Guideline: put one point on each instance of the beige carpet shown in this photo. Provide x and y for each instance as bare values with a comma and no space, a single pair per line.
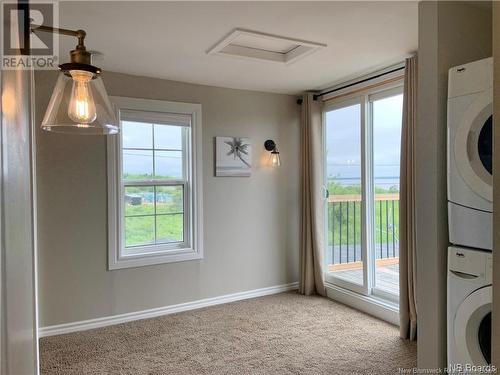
281,334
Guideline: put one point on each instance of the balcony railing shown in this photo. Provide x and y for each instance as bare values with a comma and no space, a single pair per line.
344,228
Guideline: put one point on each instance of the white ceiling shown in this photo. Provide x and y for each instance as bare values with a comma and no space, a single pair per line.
170,39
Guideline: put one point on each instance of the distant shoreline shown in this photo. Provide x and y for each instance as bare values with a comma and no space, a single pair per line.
384,181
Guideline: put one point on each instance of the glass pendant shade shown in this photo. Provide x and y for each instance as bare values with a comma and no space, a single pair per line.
80,105
275,158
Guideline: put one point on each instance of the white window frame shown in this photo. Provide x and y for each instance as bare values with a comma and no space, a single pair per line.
192,246
365,99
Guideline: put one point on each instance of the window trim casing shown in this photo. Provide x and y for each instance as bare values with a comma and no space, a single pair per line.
116,260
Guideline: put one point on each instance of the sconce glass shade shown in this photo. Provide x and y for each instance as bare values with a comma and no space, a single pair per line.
275,158
80,105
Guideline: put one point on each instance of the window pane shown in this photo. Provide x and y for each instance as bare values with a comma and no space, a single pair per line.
139,230
139,201
387,117
343,161
169,228
168,137
137,165
137,135
168,164
169,199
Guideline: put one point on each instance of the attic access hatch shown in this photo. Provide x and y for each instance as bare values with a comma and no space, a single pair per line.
255,45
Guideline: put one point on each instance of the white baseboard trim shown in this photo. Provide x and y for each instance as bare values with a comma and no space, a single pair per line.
372,306
159,311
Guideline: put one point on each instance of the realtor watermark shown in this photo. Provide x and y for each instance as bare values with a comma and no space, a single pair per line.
22,47
452,369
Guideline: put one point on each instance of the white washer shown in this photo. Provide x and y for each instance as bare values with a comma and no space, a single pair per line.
470,182
469,308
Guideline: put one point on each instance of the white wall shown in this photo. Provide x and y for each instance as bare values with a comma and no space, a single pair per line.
450,33
251,224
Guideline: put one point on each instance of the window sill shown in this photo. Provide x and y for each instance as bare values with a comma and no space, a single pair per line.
132,261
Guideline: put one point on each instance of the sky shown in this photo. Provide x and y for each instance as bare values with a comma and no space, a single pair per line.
167,160
343,142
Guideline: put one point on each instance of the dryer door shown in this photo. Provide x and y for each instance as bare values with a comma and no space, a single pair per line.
474,146
472,328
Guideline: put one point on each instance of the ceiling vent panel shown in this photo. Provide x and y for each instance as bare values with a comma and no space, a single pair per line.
260,46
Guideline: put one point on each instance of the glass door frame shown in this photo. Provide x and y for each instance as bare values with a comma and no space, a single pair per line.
386,92
329,276
365,100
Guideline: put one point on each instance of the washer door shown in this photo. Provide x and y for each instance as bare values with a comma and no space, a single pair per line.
472,328
474,146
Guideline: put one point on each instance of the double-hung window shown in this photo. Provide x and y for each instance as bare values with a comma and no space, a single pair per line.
154,183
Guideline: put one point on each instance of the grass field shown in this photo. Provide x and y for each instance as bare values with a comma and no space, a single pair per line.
156,217
141,229
344,220
142,226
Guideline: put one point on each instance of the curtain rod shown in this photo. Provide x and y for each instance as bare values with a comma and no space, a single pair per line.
316,96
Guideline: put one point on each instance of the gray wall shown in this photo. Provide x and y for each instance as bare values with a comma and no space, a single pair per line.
450,34
496,187
251,224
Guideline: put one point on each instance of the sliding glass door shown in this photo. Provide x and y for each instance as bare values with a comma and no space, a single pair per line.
345,185
387,113
362,150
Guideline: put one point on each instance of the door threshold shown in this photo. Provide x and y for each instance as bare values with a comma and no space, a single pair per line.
384,310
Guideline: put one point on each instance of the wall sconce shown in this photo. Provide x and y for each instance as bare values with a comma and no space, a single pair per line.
274,157
79,103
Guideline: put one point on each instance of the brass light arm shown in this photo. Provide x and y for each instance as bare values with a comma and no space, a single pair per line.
79,54
80,34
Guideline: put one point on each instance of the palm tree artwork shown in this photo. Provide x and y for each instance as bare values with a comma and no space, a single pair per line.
238,149
233,156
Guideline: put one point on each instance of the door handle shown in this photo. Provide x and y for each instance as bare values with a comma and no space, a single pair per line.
464,275
326,193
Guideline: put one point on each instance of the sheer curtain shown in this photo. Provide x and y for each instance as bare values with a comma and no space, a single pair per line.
407,248
312,209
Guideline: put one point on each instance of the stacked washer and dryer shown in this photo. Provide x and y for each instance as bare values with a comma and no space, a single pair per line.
470,207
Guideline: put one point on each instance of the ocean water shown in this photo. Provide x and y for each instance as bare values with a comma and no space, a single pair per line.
383,182
386,176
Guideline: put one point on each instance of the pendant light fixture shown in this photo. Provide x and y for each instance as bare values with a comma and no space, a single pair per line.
274,157
79,103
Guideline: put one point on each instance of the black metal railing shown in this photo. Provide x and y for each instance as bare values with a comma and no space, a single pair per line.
344,228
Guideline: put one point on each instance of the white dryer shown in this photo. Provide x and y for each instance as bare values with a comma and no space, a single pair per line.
470,126
469,309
